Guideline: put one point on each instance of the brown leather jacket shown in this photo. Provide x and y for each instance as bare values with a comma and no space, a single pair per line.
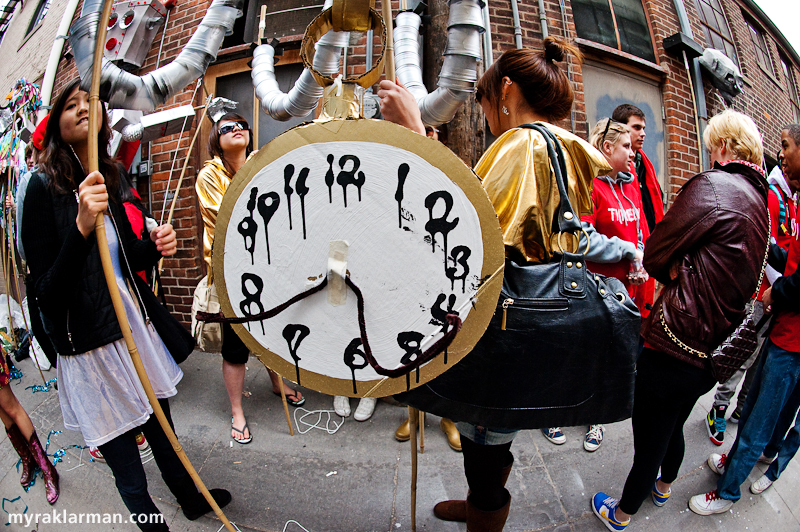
716,233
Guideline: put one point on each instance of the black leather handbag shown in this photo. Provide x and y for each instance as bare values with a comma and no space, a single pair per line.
560,349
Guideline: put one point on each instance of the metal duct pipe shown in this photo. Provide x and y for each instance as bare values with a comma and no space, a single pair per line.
124,90
306,92
459,70
488,57
517,25
542,18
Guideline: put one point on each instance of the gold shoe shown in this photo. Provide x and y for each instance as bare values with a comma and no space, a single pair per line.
453,437
403,432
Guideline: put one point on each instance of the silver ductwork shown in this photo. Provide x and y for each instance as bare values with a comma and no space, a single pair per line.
459,69
124,90
306,92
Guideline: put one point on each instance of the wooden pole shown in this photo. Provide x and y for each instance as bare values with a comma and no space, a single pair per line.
413,418
95,112
388,53
6,273
178,186
421,432
286,407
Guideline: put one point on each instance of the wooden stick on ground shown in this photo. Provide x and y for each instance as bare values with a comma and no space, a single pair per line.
413,418
108,270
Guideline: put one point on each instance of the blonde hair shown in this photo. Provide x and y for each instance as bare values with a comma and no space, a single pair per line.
740,134
612,134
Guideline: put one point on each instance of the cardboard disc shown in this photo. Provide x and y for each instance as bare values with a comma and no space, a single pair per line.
401,214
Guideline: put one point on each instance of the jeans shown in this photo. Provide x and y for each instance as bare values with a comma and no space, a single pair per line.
777,375
122,456
666,391
784,444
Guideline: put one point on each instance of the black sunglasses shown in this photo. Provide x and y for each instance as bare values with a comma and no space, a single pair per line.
231,126
605,132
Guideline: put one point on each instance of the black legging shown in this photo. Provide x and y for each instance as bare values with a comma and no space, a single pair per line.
483,466
666,391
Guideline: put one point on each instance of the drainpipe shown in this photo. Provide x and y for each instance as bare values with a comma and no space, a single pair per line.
55,55
488,58
697,80
517,26
543,18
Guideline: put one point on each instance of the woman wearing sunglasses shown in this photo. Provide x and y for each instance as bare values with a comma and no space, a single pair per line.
230,144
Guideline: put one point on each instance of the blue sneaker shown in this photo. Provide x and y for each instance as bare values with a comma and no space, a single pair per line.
604,507
660,499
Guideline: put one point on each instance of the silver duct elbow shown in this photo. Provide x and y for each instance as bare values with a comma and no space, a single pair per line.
460,67
306,92
125,90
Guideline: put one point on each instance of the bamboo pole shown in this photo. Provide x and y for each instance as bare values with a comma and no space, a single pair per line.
421,432
286,407
108,270
6,274
388,53
413,418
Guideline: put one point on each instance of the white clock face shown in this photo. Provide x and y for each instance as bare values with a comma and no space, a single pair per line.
414,245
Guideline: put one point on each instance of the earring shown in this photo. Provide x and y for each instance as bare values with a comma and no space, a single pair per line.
505,110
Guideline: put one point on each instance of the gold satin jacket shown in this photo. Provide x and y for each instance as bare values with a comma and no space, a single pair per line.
212,182
518,178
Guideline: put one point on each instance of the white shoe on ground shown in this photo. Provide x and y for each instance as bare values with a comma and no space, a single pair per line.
717,463
709,503
365,408
341,405
760,485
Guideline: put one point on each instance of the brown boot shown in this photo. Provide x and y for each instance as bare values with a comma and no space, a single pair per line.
457,510
483,521
48,469
21,446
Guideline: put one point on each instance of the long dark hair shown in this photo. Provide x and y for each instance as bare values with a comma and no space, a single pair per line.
58,160
214,147
545,87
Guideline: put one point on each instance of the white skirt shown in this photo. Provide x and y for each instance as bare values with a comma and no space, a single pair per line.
99,391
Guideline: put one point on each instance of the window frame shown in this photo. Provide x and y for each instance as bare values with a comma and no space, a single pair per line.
759,41
618,47
42,8
791,86
711,29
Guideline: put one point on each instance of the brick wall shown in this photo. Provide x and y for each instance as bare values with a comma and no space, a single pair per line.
766,99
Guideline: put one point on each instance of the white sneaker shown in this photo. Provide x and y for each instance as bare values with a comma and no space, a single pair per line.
717,463
555,435
594,437
766,459
341,405
709,503
760,485
365,408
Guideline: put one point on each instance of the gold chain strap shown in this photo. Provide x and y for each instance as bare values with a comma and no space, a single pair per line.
695,352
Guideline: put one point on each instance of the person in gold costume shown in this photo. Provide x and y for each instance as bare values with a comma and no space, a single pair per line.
521,87
230,144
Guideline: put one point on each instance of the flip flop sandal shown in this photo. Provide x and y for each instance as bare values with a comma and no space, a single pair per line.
242,440
293,402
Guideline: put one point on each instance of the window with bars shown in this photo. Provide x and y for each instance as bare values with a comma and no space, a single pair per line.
620,24
715,25
760,44
38,16
791,84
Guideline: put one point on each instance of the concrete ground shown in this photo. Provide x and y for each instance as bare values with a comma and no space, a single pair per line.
358,479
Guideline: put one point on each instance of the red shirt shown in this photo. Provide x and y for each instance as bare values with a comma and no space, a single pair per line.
608,219
782,232
787,324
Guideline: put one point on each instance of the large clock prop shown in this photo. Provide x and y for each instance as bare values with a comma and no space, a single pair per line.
351,251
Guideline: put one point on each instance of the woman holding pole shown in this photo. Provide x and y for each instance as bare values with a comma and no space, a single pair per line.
99,391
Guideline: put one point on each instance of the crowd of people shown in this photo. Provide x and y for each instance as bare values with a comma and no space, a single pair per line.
705,252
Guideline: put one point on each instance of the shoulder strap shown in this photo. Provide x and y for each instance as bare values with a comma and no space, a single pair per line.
781,202
566,220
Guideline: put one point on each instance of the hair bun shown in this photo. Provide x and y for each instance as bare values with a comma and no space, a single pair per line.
553,49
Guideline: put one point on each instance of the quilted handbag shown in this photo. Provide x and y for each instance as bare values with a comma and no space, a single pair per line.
560,349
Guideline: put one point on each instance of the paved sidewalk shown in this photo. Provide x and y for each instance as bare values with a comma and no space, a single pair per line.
358,480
